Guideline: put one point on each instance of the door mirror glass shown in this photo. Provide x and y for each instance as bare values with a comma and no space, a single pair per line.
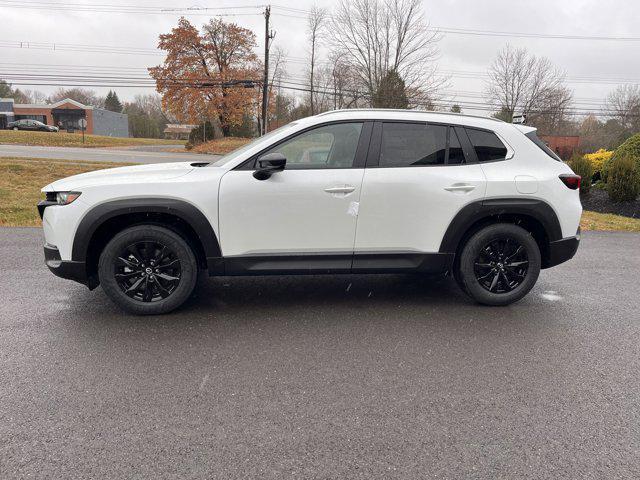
269,164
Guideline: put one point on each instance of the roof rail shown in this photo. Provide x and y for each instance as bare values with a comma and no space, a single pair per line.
332,112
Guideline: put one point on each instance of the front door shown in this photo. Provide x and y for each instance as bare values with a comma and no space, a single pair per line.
302,218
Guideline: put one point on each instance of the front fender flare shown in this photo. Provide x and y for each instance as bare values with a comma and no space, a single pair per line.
187,212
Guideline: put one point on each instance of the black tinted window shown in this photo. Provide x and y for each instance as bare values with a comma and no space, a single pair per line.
543,146
406,144
330,146
456,155
487,145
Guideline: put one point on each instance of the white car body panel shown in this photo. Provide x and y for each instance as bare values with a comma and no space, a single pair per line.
292,212
389,209
409,209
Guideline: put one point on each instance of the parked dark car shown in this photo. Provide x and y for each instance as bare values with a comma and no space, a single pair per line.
31,125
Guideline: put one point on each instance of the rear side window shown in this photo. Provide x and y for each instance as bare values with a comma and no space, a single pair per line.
487,145
412,144
543,146
456,155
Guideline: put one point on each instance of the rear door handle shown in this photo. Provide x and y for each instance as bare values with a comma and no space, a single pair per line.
345,189
460,187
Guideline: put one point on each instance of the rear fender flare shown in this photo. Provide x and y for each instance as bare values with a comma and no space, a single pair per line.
474,212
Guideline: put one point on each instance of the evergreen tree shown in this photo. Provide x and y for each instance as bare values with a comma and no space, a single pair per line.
112,102
391,92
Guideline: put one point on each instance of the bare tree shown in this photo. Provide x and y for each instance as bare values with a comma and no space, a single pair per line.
280,104
623,104
374,37
315,24
521,82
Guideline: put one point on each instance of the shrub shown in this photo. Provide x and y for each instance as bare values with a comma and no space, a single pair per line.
623,184
201,134
597,160
630,148
581,166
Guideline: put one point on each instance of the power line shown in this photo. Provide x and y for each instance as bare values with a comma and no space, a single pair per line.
294,86
120,8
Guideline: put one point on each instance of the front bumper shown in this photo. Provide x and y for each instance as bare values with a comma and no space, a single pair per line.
67,269
562,250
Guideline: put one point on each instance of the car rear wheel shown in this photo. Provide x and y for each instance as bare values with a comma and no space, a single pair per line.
148,270
499,264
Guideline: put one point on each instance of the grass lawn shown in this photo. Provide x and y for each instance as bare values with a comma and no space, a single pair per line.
64,139
22,178
221,146
609,221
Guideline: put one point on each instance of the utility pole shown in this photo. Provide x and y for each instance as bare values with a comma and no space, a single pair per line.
265,81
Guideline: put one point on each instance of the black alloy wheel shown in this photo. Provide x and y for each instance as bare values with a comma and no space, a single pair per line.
147,271
501,265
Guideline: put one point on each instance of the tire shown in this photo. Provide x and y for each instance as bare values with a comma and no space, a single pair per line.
499,264
148,270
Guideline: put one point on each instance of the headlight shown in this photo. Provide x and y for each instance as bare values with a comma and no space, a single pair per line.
65,198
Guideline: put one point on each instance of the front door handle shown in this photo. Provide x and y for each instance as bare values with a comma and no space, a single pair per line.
460,187
345,189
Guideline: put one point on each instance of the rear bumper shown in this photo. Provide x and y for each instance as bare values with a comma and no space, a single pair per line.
562,250
67,269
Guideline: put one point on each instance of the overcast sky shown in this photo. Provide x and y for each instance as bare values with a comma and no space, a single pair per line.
593,66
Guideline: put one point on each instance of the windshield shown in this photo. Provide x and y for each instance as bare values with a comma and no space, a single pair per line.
543,146
239,151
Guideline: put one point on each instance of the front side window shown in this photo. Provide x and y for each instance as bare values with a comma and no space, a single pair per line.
487,145
329,146
412,144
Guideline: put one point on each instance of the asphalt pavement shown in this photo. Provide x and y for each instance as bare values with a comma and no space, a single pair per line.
385,376
124,155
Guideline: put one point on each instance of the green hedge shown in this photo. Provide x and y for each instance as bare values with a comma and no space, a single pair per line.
630,148
623,179
583,167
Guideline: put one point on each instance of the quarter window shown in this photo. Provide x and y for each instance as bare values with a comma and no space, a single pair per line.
330,146
487,145
412,144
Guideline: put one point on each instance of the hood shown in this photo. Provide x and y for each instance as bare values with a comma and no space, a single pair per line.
140,173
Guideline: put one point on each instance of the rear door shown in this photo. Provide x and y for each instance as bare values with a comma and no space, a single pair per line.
418,177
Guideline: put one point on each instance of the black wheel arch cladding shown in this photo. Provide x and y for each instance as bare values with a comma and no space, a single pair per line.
186,212
481,210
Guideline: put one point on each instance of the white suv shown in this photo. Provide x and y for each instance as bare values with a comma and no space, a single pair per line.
353,191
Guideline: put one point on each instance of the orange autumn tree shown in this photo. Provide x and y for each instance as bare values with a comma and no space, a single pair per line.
198,79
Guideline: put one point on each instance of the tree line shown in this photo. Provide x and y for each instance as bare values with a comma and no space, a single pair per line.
362,53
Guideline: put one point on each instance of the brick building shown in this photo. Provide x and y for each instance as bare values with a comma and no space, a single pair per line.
563,145
66,114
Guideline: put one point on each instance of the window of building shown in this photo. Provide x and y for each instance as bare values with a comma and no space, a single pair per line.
487,145
39,118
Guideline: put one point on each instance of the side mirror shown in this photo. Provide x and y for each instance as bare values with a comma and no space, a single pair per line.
268,165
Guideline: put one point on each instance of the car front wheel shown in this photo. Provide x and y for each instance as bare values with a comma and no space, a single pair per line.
148,270
499,264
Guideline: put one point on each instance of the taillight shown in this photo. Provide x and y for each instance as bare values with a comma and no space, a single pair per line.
571,180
